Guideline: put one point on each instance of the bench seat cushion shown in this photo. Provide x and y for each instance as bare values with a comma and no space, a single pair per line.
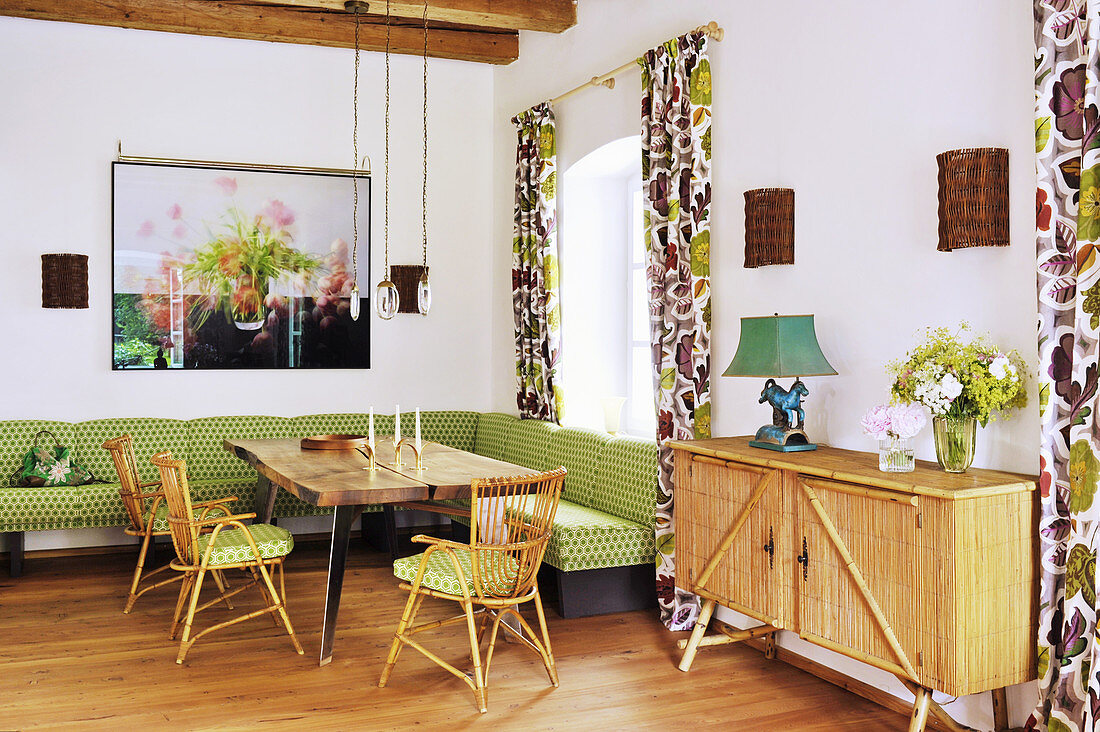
39,509
101,505
586,538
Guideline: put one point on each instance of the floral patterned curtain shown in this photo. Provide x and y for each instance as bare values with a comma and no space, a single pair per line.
535,268
676,98
1067,205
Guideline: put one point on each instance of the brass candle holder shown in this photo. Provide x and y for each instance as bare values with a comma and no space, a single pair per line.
417,452
366,451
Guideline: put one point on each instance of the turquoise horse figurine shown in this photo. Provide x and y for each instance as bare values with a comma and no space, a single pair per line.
786,404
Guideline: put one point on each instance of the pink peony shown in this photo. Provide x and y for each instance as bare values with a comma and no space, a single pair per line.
146,229
180,231
876,423
906,420
227,184
175,212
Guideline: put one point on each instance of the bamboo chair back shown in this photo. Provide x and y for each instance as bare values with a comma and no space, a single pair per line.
510,525
173,479
122,453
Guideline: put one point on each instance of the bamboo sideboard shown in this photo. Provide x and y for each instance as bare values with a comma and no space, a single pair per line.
929,575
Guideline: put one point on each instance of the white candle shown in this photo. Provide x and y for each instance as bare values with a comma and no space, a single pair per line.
370,433
397,424
418,431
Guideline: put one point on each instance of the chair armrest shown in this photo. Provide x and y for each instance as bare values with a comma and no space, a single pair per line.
217,502
149,495
424,539
149,484
222,519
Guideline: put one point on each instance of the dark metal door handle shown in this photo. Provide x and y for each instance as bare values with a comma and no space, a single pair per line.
770,549
804,560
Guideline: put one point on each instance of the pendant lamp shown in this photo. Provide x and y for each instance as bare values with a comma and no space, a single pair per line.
386,299
356,7
424,288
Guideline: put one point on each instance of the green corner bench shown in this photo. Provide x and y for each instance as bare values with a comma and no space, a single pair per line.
600,558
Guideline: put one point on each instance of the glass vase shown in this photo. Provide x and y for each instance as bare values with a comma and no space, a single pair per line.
954,439
895,455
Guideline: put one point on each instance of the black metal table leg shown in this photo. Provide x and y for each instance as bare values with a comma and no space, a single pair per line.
341,532
263,504
389,516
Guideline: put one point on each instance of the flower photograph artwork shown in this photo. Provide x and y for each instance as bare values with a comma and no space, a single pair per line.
223,268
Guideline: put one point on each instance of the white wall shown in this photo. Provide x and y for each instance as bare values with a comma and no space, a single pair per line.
70,92
848,103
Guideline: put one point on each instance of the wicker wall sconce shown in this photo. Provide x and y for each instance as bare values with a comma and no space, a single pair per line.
65,281
407,279
769,226
973,198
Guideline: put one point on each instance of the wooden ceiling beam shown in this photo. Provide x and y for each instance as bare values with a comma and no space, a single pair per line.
551,16
280,24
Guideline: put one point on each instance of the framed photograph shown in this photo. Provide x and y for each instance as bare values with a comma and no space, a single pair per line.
237,268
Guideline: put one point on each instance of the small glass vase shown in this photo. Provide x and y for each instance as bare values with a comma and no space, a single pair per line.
896,455
954,437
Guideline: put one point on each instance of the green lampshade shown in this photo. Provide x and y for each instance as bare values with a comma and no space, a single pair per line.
779,346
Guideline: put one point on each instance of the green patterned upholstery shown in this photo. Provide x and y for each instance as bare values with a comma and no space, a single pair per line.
585,538
527,443
627,485
454,429
579,451
207,458
440,573
101,505
231,545
17,438
39,509
340,424
490,435
150,437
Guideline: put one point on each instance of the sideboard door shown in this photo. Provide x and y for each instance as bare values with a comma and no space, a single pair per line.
711,496
858,556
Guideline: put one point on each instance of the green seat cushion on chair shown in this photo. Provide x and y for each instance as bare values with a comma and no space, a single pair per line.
527,443
231,545
37,509
151,435
490,436
579,451
586,538
440,573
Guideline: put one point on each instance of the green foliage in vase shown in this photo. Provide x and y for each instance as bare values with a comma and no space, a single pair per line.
234,269
958,378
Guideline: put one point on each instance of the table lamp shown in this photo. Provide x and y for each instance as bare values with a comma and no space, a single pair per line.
781,346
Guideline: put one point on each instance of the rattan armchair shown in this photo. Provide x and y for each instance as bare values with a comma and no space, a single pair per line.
230,545
510,524
149,520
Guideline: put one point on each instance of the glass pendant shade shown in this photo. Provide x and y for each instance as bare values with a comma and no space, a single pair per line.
387,299
355,302
424,294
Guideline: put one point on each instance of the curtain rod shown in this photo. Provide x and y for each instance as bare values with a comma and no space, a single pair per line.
711,30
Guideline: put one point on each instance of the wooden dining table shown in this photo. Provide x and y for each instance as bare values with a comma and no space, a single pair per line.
343,480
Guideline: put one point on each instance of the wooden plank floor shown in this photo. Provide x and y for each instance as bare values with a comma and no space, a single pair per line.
69,659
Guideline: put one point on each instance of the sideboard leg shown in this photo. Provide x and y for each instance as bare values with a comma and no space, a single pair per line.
1000,709
920,710
769,646
935,709
697,635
